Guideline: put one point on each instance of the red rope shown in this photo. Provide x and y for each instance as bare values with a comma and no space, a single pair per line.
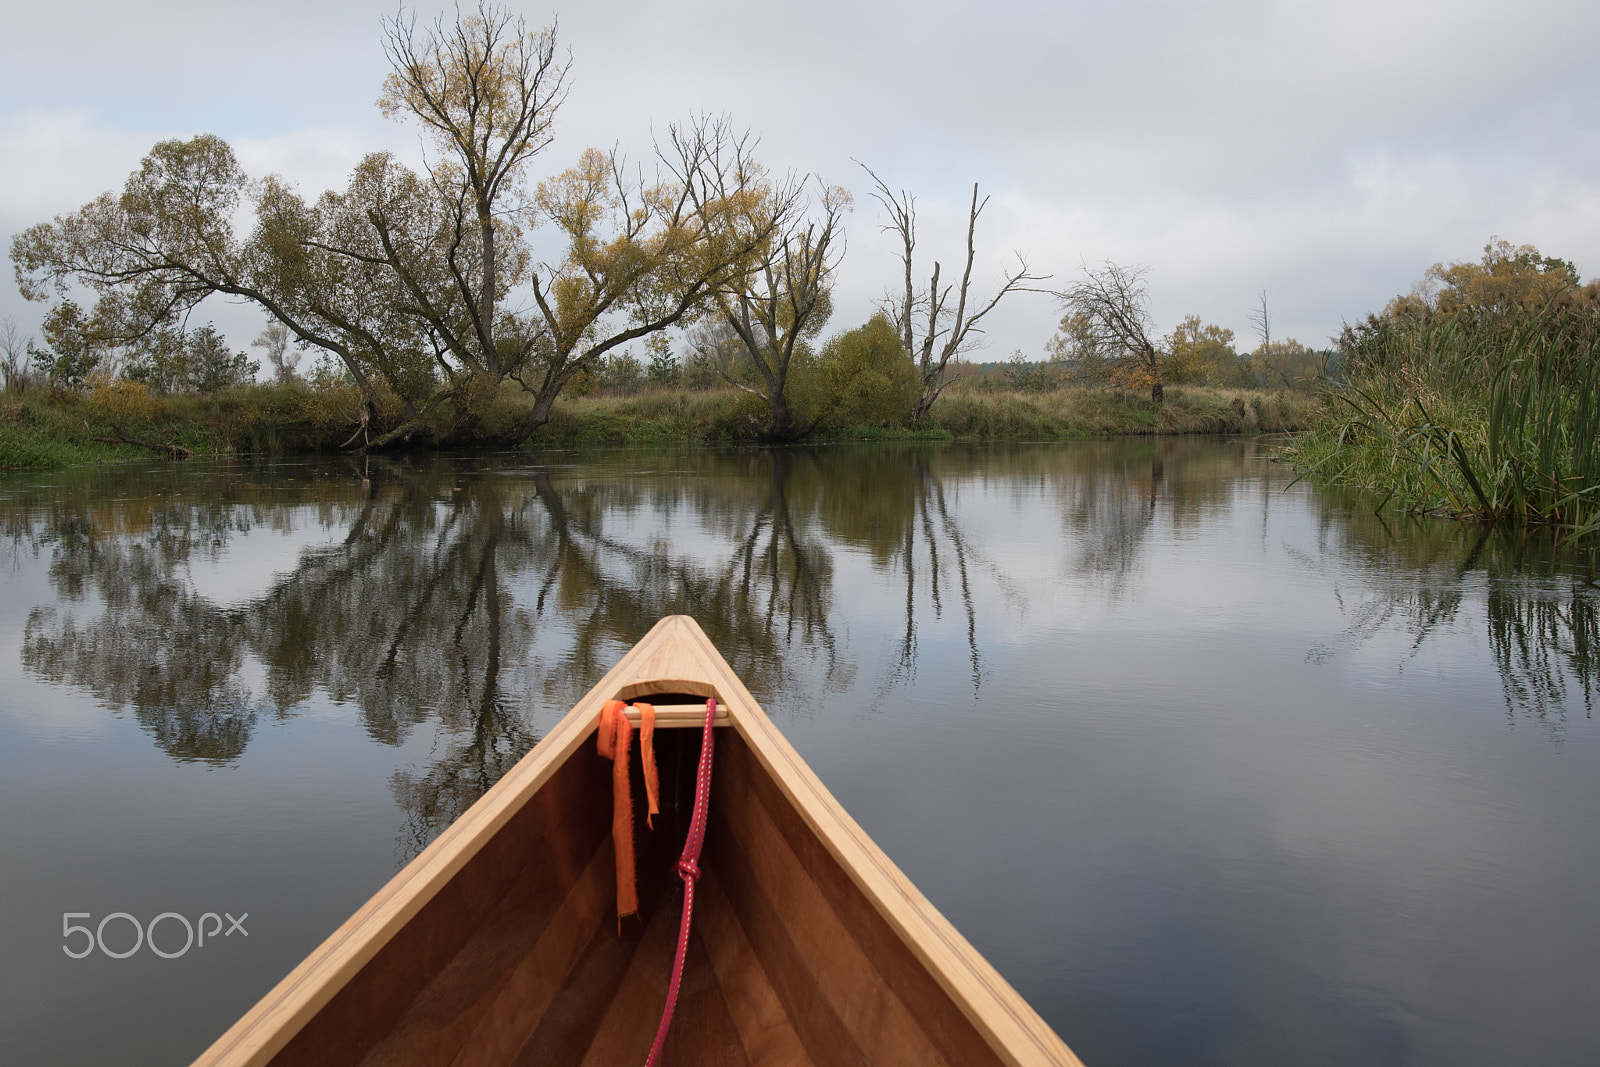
689,871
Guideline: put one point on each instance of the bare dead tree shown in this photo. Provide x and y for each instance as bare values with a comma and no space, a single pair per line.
16,364
1261,319
1115,305
785,300
957,330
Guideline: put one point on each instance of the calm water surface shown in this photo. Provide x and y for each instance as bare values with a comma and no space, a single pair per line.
1214,769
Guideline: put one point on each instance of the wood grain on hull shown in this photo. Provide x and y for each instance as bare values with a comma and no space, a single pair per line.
499,944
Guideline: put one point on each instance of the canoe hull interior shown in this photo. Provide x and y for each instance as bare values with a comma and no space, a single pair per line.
520,960
500,944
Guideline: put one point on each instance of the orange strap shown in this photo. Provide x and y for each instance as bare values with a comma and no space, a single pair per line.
613,739
647,756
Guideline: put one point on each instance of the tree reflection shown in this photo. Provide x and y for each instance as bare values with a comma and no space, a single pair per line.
1545,647
472,599
1113,495
479,600
191,704
154,646
1542,621
1108,508
894,505
768,598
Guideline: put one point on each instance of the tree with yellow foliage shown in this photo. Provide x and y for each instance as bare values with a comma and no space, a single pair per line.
487,89
1286,364
1202,352
1508,278
782,303
404,276
640,258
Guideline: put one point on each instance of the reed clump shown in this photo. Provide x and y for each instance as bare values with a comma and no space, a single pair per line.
1482,413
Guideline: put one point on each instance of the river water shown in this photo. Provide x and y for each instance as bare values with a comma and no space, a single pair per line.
1214,768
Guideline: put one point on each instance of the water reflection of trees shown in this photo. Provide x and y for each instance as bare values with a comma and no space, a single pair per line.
1545,648
1113,495
475,599
154,646
478,600
766,600
1541,612
895,507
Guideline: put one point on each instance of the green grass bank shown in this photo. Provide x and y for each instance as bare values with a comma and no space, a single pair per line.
43,430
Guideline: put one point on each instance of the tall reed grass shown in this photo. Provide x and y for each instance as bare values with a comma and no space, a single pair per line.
1483,415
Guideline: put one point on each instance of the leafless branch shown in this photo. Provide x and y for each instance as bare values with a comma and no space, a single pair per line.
954,327
1261,319
1114,303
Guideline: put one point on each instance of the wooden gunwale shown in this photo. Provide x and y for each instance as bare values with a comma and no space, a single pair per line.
1013,1029
674,657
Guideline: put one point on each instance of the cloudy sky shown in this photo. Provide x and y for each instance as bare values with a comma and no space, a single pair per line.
1327,153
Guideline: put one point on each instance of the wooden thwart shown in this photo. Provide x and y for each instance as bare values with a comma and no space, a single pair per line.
682,716
499,944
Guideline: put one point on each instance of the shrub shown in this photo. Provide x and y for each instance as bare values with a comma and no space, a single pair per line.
867,377
120,402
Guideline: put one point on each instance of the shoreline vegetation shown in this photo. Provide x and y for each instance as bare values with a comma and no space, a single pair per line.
433,319
497,301
1472,397
117,420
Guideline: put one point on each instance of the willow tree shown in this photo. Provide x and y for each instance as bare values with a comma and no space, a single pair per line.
786,297
486,88
404,275
640,257
400,275
167,242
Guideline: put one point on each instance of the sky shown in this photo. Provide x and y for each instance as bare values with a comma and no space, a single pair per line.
1324,153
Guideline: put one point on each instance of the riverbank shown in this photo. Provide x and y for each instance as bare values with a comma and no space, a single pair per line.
1489,417
42,431
1476,395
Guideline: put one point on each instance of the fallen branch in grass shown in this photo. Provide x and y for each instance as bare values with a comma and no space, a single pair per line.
125,438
